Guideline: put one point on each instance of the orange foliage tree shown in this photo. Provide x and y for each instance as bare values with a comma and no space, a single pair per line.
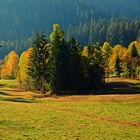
10,67
23,67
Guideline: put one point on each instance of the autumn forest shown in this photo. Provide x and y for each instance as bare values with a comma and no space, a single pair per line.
79,55
56,65
69,69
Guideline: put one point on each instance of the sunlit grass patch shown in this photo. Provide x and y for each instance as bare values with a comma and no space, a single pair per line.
9,83
93,117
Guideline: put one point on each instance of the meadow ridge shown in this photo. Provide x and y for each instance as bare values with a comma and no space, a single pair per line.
26,115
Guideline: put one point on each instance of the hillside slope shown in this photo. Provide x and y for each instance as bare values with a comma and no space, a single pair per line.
20,18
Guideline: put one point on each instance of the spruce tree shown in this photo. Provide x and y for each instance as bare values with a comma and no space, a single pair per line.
97,71
85,58
134,59
37,67
58,61
75,69
117,66
133,51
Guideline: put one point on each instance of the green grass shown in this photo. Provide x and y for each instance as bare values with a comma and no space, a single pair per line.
56,120
9,83
108,117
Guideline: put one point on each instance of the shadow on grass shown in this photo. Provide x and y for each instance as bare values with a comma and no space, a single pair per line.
2,85
5,94
19,100
110,89
120,88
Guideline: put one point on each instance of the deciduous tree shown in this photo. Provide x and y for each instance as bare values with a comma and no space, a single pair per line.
10,68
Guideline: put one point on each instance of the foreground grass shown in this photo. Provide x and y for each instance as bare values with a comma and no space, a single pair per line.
9,83
63,118
106,117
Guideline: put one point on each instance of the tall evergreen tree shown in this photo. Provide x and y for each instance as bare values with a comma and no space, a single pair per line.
75,71
133,50
117,66
37,67
97,71
85,58
58,61
134,59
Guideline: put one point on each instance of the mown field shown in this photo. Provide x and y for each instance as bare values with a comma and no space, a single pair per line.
27,116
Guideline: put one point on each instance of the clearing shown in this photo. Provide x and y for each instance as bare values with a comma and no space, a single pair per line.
115,115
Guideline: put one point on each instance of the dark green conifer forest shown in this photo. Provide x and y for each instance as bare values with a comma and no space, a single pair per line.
87,21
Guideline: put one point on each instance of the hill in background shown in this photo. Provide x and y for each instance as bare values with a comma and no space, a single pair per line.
88,21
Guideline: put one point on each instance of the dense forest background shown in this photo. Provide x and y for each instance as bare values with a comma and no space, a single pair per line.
88,21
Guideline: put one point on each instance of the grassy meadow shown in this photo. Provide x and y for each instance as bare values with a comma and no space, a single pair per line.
29,116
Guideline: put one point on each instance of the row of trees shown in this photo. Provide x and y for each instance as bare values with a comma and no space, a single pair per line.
121,61
122,31
58,65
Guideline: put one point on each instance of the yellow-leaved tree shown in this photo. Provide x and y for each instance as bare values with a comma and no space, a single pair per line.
117,51
10,67
23,67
